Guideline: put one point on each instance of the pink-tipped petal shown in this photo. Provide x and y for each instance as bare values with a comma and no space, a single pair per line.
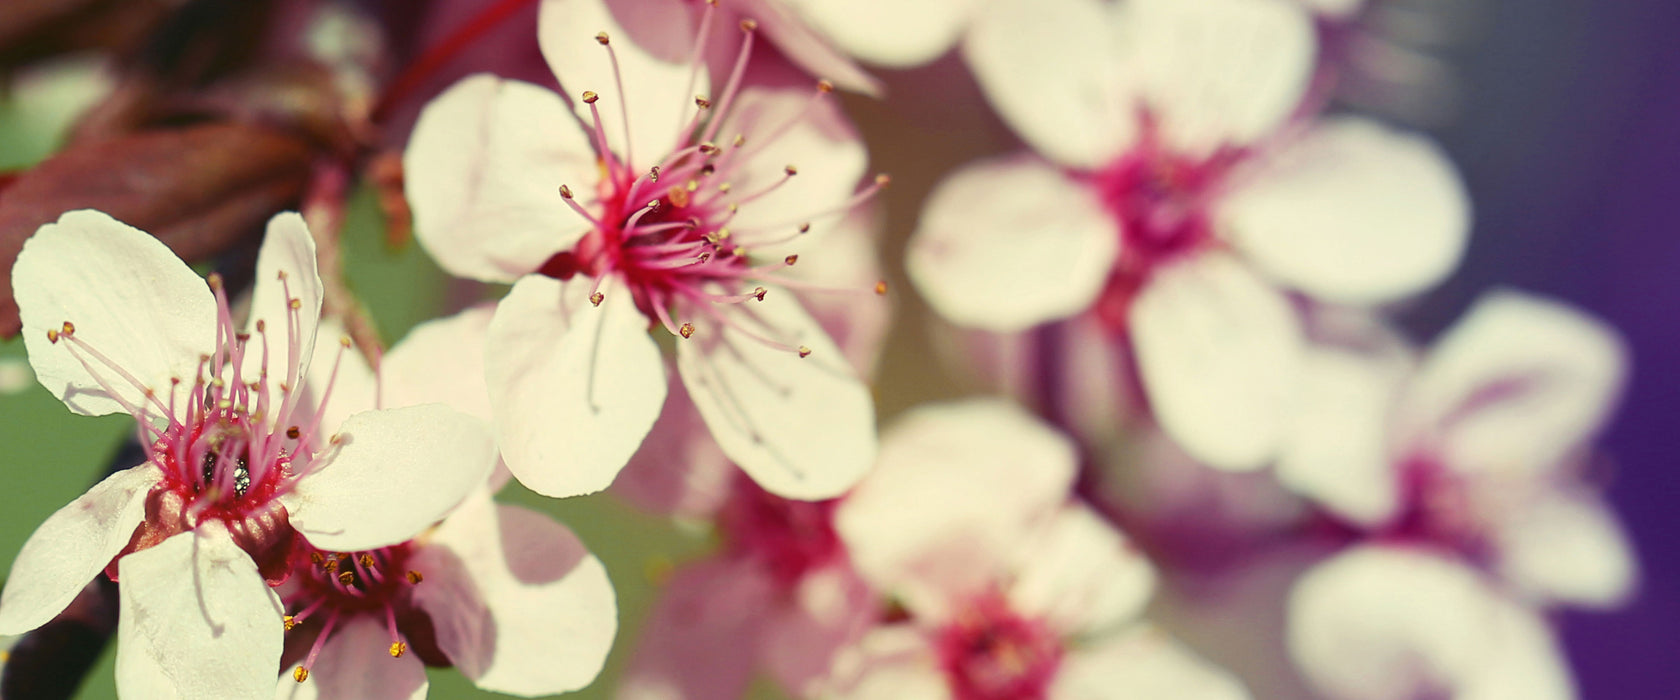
391,474
1515,386
547,615
802,427
574,386
1053,72
197,621
483,172
73,546
1352,213
129,299
355,665
1011,243
1219,353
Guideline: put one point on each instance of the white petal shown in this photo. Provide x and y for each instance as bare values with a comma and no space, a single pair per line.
802,427
956,490
1566,547
1142,663
441,361
1218,351
1515,386
73,546
845,258
1352,213
197,621
130,299
355,388
1381,623
889,32
1051,70
483,172
1082,574
354,663
552,611
1218,72
286,270
653,54
391,474
1011,243
701,640
815,138
1337,450
830,609
574,387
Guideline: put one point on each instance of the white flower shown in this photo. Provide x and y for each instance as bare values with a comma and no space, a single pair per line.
1010,589
1168,198
660,210
1477,449
237,460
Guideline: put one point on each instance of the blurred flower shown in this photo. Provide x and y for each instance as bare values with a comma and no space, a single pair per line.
237,462
1008,590
692,238
1177,197
1396,623
1477,451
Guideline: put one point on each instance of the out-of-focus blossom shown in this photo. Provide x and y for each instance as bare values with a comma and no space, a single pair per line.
15,376
662,209
781,597
1462,471
237,461
1396,623
1478,450
45,100
1173,197
1007,589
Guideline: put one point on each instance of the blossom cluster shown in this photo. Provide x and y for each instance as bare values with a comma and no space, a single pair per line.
1179,295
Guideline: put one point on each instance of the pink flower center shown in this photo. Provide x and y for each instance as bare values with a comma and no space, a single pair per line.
665,230
789,538
990,652
332,587
1437,509
217,440
1162,203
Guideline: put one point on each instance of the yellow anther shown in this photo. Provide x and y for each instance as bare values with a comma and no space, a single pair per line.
414,577
589,97
687,330
300,674
804,351
397,649
596,298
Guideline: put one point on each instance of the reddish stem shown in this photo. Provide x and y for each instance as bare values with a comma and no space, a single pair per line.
446,50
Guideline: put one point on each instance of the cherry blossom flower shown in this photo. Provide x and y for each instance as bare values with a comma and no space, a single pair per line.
1478,450
1460,470
1008,589
641,205
1172,195
1395,623
505,594
238,463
